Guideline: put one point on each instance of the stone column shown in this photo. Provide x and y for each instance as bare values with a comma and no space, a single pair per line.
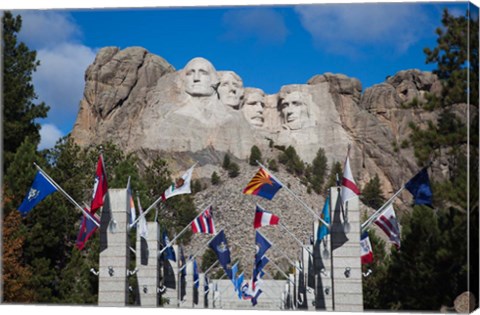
291,290
187,301
201,291
114,257
147,275
346,264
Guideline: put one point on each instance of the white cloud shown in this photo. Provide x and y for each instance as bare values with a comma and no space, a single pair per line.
342,27
59,80
265,25
49,136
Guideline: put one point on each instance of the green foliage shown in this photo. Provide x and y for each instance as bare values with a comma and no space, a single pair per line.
335,170
255,155
372,195
372,284
233,170
272,165
317,172
226,161
19,109
292,161
215,179
196,186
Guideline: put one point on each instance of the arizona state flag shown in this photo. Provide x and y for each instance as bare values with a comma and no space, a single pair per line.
263,185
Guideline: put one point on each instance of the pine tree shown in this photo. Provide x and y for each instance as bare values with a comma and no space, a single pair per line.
19,110
255,155
226,161
233,170
292,161
215,179
318,171
372,194
335,170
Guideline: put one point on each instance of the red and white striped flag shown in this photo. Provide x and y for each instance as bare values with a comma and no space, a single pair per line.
264,218
387,221
204,222
349,188
366,249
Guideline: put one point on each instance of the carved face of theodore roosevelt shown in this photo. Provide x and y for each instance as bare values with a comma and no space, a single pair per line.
253,107
294,110
200,77
230,89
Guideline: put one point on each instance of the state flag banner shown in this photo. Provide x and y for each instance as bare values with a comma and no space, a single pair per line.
366,252
264,218
387,221
349,189
40,189
262,245
263,185
419,187
323,230
100,186
87,229
219,245
181,185
204,223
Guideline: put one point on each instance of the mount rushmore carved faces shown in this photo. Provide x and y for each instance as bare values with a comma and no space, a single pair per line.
293,109
253,105
230,89
201,78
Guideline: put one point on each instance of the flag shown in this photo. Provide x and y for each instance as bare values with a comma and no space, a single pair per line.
196,282
263,185
40,189
257,270
100,186
219,245
169,252
238,285
387,221
131,204
206,288
233,274
181,185
264,218
143,234
311,273
87,229
366,253
262,245
204,222
255,298
183,275
419,187
349,188
323,230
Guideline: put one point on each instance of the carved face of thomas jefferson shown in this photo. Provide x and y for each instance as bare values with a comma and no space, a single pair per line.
294,110
200,77
230,89
253,106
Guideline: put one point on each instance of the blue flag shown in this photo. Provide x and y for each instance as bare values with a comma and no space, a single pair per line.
196,279
258,269
169,252
233,272
219,246
255,298
262,246
238,285
41,188
323,230
419,187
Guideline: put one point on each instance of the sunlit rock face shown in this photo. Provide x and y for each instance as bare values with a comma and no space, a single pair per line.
140,102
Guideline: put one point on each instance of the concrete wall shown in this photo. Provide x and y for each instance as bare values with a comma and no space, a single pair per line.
147,275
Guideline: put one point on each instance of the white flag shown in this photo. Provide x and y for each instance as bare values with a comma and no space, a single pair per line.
349,188
387,221
181,185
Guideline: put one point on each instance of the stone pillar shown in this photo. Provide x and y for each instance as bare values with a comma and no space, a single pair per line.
114,256
345,255
172,294
201,291
291,290
187,301
323,272
147,275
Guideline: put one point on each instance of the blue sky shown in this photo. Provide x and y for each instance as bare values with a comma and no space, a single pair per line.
268,46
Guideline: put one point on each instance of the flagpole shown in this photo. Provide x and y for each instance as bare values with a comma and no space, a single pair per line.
372,218
294,195
66,195
296,239
197,252
153,205
281,271
181,232
211,266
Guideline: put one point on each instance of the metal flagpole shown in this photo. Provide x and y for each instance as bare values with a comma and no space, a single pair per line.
67,195
295,196
281,271
181,232
212,266
296,239
372,218
197,252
